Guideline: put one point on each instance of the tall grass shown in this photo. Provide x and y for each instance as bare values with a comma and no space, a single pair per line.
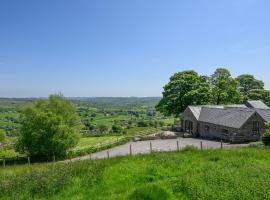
190,174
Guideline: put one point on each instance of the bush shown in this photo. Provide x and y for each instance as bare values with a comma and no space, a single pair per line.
142,124
266,135
266,139
116,129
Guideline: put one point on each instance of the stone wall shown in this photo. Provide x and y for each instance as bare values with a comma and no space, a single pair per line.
246,133
213,131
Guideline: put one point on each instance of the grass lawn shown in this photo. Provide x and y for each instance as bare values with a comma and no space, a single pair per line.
189,174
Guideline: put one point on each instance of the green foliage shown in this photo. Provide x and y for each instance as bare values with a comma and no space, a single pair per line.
2,135
247,82
49,128
150,192
266,135
142,123
184,89
102,128
224,88
190,174
259,94
117,129
50,180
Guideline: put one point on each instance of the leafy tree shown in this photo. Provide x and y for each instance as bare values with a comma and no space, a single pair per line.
2,135
184,89
49,127
259,94
116,129
224,88
247,82
142,123
102,128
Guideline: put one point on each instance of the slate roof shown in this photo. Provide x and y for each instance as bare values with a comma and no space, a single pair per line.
257,104
265,114
234,118
196,110
230,115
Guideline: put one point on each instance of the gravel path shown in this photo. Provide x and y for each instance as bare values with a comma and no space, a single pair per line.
143,147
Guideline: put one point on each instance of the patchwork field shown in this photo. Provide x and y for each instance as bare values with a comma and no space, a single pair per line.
189,174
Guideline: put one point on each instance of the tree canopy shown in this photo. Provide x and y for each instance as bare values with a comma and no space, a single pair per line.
49,127
259,94
247,82
189,88
184,88
224,88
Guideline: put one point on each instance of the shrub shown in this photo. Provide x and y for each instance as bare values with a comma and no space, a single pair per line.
116,129
266,135
142,124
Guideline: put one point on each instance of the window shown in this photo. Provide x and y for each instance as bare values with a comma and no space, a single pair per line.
189,126
225,131
206,128
256,127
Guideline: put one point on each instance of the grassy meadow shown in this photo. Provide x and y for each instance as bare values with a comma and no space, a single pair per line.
188,174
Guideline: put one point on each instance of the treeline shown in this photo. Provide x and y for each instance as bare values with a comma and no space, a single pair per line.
189,88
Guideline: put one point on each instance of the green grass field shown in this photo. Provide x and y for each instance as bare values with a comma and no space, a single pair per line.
189,174
92,141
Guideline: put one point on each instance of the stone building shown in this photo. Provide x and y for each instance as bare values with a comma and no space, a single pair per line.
233,123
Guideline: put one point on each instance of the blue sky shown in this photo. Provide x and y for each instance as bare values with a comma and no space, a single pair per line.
126,47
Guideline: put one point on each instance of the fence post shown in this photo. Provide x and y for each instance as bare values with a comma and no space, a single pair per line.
201,146
90,156
177,145
28,160
151,147
54,158
108,154
130,150
221,144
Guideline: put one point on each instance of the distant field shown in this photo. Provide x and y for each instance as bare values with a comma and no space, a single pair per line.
189,174
92,141
108,120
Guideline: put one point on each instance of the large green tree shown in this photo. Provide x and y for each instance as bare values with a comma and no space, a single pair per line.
224,88
184,89
49,127
247,82
259,94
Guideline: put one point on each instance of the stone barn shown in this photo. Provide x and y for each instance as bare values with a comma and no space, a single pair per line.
233,123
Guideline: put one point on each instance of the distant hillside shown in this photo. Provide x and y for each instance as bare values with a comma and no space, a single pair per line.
143,101
14,103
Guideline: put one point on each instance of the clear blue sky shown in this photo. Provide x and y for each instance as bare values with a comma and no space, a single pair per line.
126,47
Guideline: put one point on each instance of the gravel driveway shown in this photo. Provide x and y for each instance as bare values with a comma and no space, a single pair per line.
143,147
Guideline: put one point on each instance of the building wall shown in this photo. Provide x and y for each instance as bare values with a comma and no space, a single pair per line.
246,133
188,115
242,135
213,131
